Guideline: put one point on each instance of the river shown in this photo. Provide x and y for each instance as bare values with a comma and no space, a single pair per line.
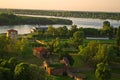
80,22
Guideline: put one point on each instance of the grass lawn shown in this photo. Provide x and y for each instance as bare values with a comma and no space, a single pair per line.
111,41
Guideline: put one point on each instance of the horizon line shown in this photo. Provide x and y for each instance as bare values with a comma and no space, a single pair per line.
60,10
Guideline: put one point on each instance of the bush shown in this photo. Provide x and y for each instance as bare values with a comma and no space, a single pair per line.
12,63
37,73
5,74
22,72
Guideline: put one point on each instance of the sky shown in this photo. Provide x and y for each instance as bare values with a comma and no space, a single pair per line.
69,5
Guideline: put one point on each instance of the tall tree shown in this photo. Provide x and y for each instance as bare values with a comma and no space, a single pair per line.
103,72
107,29
77,38
22,72
118,37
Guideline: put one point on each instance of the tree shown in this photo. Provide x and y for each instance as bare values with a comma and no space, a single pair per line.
22,46
106,25
62,31
22,72
57,45
5,74
12,62
118,38
73,29
107,29
4,41
89,52
54,45
77,38
51,31
105,53
103,72
36,72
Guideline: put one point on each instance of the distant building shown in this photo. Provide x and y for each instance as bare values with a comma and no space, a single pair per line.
34,29
41,52
65,61
12,34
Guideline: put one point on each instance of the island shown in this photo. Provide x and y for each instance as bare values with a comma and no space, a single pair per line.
11,19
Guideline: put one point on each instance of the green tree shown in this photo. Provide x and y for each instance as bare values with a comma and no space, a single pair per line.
103,72
57,45
5,74
73,29
4,41
22,46
105,54
36,72
12,63
89,52
51,31
54,45
22,72
62,31
77,38
107,29
118,38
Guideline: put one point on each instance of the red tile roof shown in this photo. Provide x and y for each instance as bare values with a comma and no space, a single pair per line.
39,49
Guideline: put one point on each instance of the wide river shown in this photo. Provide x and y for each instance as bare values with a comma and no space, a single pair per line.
80,22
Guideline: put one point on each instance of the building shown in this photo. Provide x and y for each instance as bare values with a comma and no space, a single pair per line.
41,52
34,29
12,34
65,61
55,68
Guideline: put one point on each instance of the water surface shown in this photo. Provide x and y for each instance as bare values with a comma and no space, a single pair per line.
80,22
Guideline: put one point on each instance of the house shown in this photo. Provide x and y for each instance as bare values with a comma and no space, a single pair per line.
46,64
55,68
12,34
41,52
65,61
56,71
34,29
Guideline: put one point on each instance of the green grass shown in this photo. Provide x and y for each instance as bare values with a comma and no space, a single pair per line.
111,41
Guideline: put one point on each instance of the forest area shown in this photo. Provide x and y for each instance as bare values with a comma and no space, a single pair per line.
77,14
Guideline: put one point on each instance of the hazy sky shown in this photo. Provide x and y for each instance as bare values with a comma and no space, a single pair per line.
75,5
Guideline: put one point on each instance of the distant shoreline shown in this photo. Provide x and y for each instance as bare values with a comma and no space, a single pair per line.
62,13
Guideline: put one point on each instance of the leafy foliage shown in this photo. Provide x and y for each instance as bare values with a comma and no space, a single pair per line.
77,38
5,74
103,72
22,71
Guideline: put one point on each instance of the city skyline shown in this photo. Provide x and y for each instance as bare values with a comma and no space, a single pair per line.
69,5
